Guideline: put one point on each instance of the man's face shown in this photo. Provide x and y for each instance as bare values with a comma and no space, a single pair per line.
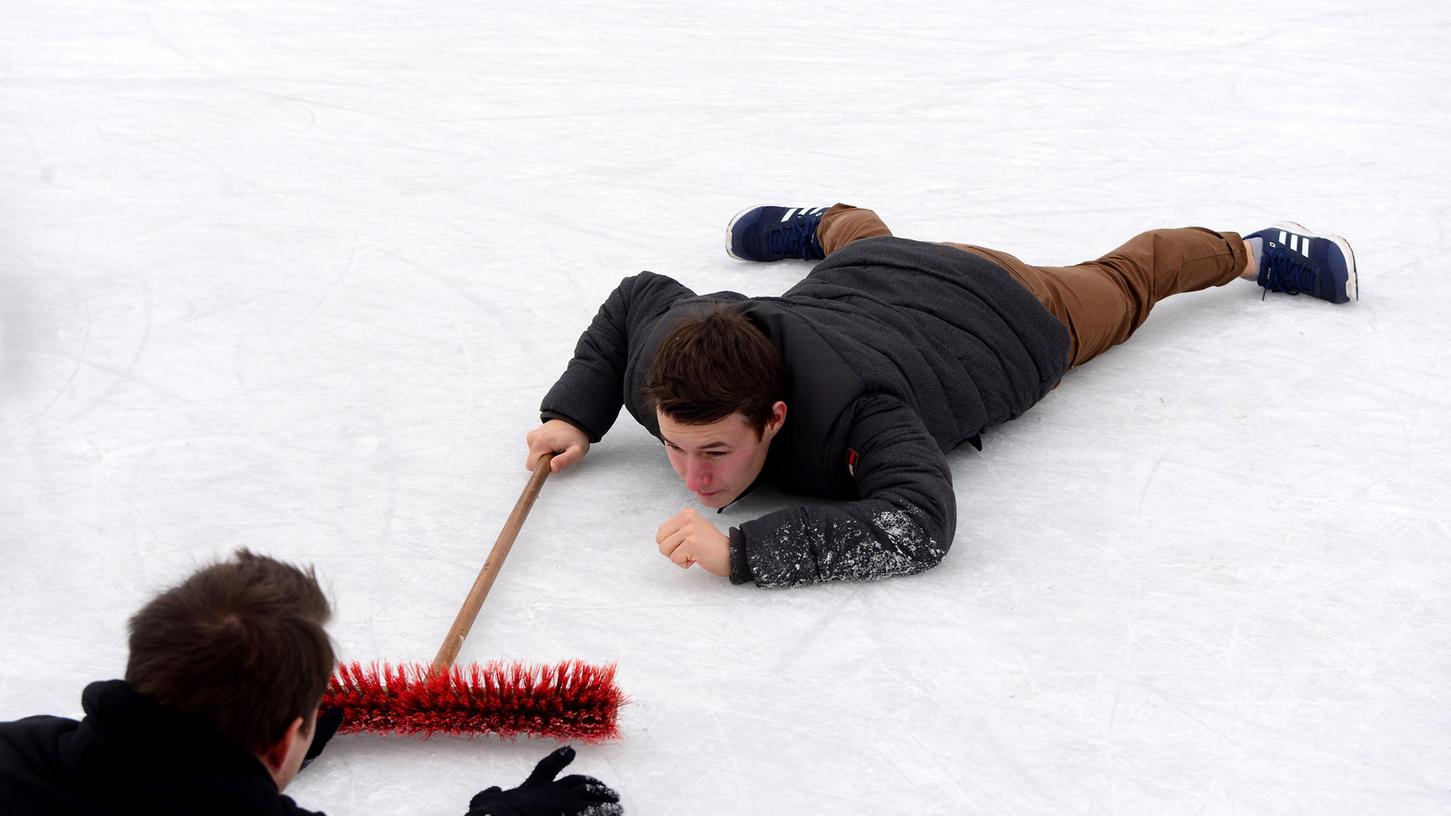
720,460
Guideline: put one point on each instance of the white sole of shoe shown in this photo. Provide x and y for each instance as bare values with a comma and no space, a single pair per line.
730,228
1352,288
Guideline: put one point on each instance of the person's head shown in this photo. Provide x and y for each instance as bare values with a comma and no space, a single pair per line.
239,646
716,384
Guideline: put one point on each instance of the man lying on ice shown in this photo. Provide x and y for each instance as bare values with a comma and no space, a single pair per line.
854,383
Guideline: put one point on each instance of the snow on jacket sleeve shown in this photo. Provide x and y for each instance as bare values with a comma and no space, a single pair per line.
590,392
902,524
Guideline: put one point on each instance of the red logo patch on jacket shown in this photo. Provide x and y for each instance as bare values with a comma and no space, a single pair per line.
851,457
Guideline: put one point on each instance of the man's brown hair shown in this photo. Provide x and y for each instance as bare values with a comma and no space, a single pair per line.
711,365
239,646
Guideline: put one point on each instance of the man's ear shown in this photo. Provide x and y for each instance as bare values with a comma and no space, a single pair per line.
777,418
276,755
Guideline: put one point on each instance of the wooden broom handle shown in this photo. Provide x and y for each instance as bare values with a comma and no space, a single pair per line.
475,601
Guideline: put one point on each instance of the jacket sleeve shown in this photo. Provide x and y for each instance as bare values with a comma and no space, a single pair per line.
289,807
590,392
902,524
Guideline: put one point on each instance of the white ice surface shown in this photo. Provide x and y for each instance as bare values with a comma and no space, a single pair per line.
295,275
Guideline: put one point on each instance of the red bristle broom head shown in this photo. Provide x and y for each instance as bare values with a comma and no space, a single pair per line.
568,700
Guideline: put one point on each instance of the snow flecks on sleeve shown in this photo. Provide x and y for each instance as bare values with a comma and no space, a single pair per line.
903,522
807,547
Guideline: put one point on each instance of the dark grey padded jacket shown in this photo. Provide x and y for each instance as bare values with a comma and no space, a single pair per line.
896,351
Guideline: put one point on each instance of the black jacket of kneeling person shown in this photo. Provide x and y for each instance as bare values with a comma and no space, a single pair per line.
131,755
896,351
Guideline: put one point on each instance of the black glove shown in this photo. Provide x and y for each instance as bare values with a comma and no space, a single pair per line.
543,795
323,728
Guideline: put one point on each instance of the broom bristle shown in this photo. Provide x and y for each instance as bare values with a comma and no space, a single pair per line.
568,700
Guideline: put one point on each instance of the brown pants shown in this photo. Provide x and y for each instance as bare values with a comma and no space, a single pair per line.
1101,302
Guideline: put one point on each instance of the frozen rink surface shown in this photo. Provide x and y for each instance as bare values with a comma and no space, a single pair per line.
295,276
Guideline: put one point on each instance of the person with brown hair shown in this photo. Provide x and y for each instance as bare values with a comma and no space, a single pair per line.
218,711
854,383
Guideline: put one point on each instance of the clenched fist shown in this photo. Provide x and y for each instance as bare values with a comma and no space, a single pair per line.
688,539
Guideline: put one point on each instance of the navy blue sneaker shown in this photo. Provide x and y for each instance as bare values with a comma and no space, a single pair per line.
1294,260
774,233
